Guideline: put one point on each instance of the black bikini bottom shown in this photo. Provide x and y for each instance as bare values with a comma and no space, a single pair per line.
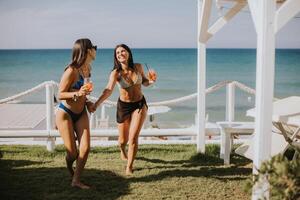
124,109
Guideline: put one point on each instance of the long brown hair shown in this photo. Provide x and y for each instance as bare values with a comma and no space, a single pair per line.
79,52
117,64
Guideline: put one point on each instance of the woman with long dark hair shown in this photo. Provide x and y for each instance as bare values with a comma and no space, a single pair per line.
131,107
71,117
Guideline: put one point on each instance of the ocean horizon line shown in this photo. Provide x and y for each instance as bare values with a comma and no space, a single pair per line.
150,48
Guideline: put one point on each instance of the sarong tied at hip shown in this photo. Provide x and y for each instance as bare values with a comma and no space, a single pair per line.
124,109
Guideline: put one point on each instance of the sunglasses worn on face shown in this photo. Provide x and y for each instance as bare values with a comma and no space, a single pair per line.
94,47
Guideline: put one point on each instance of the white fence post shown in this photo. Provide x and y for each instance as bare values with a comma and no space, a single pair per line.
50,115
230,102
92,120
102,112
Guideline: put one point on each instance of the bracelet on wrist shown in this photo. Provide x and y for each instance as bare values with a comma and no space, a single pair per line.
75,97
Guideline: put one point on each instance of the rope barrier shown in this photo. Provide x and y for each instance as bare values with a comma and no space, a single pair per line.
244,88
27,92
160,103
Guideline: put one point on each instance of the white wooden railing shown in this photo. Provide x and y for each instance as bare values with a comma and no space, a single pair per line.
51,133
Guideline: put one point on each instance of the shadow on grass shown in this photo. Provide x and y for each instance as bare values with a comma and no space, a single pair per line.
194,161
207,168
156,167
160,161
146,148
198,165
54,183
211,157
239,160
22,179
10,164
222,174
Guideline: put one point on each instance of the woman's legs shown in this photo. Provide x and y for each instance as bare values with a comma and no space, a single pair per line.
82,130
137,119
66,130
123,137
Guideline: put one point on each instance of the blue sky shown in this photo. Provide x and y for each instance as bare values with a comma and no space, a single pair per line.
138,23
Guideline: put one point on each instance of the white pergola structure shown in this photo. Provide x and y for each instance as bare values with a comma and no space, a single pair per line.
269,16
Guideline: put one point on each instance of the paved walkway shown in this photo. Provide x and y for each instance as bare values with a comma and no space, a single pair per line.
21,116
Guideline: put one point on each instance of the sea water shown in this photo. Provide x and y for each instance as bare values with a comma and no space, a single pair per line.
177,77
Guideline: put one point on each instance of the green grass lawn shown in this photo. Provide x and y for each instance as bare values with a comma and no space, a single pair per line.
161,172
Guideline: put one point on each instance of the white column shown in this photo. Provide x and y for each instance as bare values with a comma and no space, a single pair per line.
230,101
203,16
50,115
201,74
264,90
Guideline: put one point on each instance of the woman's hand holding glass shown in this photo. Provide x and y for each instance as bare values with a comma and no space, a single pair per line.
152,75
83,91
86,89
88,85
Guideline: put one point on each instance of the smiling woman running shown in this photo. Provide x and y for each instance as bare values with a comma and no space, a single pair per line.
131,107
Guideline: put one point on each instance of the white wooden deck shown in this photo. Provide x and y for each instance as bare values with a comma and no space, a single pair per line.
21,116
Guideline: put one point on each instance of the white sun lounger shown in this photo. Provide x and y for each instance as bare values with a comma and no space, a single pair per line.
286,118
279,145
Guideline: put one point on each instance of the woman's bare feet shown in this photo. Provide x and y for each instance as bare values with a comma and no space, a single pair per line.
80,185
128,171
70,166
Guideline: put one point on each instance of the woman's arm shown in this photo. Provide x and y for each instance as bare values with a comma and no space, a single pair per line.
90,106
108,89
67,79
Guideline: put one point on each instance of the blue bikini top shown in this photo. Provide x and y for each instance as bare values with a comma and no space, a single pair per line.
79,83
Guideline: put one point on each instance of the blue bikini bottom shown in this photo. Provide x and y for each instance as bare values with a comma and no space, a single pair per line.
74,116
